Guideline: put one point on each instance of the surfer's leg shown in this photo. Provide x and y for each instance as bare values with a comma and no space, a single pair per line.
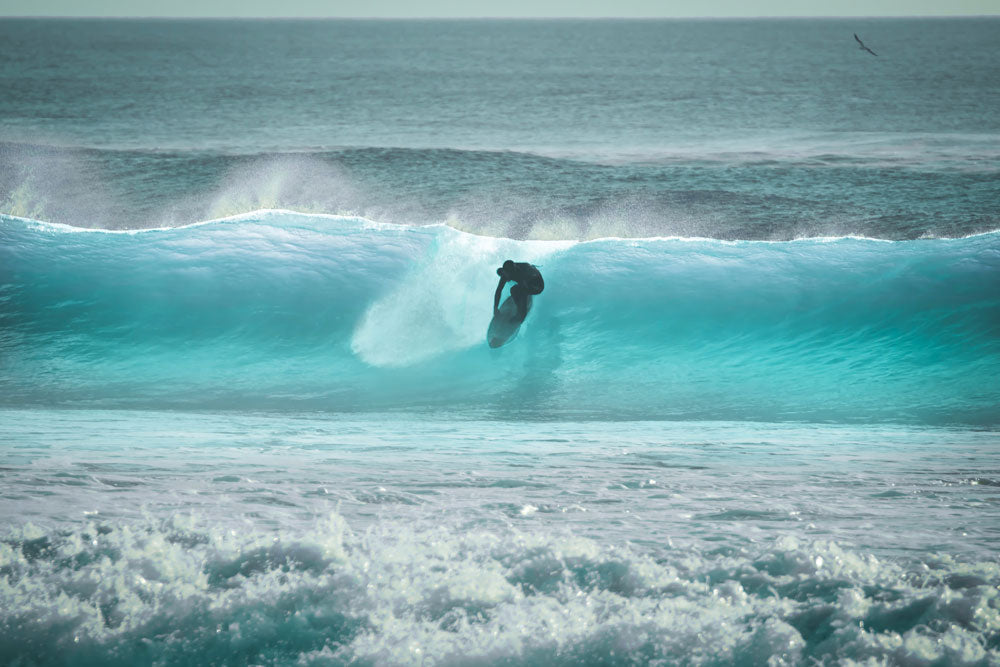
521,300
536,284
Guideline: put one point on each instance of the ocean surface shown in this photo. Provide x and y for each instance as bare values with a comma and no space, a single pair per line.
248,414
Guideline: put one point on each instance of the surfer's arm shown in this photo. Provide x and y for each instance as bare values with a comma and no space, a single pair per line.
496,297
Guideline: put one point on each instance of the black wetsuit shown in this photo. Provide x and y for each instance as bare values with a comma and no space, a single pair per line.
529,281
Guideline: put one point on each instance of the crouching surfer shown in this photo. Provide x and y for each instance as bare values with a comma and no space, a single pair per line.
528,281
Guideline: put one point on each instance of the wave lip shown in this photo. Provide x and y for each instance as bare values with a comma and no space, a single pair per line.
281,310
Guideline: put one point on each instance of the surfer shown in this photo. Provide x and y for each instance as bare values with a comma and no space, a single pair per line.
529,282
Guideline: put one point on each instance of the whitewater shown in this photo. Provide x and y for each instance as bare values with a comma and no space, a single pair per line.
248,414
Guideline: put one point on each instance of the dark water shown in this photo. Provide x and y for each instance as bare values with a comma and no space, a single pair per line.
768,129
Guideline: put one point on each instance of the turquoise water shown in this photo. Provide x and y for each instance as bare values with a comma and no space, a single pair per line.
285,311
247,410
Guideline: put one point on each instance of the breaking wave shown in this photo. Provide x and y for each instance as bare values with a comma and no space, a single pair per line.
183,591
278,310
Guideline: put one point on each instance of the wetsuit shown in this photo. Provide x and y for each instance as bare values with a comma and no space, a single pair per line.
529,282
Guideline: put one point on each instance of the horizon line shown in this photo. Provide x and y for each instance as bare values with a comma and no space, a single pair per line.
128,17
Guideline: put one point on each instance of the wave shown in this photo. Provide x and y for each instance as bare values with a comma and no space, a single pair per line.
917,151
769,189
914,150
188,591
277,310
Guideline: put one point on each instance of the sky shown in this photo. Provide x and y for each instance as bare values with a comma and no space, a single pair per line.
495,8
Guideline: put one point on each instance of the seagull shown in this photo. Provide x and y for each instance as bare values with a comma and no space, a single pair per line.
863,47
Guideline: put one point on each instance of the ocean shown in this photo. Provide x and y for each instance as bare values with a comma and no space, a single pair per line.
248,414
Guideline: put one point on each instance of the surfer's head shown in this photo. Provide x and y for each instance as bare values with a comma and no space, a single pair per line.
507,267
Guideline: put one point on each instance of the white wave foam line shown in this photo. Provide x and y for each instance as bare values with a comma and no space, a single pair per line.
252,216
361,222
184,591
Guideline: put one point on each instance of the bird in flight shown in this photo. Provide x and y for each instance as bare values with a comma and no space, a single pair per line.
863,47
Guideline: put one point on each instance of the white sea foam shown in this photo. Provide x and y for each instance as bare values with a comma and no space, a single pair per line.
185,589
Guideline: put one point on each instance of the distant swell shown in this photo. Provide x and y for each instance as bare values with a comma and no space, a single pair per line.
283,311
896,187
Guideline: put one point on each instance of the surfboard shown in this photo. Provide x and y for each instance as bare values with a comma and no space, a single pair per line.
504,326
